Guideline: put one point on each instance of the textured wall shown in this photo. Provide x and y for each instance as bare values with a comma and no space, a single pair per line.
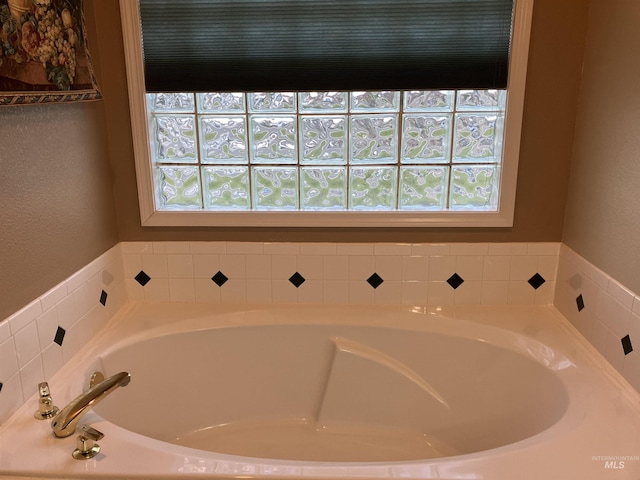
603,218
57,210
552,85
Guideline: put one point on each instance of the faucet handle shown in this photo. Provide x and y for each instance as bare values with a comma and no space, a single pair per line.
46,408
86,446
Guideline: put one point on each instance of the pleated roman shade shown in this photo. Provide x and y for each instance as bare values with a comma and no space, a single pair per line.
325,45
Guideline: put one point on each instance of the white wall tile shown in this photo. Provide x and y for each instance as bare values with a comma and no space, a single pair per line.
495,292
180,265
206,291
259,291
27,344
47,324
544,294
245,248
469,249
441,267
542,248
415,268
136,247
523,267
234,291
157,290
205,265
22,317
469,293
135,291
53,296
12,397
51,360
311,291
171,247
360,293
318,248
30,376
84,299
5,333
614,352
388,293
440,293
67,312
520,293
430,249
389,267
631,369
335,291
258,266
154,265
470,267
311,267
392,249
335,267
621,294
612,314
207,248
8,359
496,268
282,291
283,266
361,267
414,293
182,290
233,266
78,279
281,248
354,249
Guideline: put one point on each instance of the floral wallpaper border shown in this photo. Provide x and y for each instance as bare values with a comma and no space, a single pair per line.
44,56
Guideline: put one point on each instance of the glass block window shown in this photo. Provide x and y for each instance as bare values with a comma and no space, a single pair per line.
327,151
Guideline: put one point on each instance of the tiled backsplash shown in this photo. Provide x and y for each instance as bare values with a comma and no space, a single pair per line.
36,341
334,273
604,311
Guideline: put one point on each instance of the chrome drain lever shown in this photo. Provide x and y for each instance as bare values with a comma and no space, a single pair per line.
87,447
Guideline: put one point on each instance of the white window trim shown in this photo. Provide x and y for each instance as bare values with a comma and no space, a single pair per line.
503,217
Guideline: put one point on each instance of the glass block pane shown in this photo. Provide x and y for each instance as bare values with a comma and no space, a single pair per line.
221,102
474,187
423,188
322,102
372,188
272,102
481,99
275,188
324,188
428,100
174,138
375,101
425,138
224,139
179,188
374,138
171,102
226,188
323,139
273,139
478,138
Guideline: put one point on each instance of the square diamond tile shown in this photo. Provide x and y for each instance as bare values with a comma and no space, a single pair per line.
103,298
59,338
580,302
375,280
142,278
626,345
219,278
296,279
536,281
455,281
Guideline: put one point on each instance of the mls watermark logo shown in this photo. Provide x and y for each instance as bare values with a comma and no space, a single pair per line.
615,462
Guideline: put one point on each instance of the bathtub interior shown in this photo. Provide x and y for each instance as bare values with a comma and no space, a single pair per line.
332,392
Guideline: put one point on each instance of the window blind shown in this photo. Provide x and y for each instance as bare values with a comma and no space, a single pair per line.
325,45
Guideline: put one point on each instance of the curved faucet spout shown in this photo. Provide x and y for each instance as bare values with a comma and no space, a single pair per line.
64,424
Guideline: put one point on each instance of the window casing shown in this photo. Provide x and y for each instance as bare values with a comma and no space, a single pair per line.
157,212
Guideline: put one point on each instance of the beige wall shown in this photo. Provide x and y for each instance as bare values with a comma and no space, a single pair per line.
603,212
554,71
57,210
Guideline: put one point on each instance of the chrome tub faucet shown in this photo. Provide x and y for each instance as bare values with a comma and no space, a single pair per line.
65,422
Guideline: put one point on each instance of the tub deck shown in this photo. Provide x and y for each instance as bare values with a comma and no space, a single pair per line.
602,419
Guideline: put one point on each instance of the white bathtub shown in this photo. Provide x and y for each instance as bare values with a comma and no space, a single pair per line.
321,392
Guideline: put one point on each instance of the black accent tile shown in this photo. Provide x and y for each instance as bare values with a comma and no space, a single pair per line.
142,278
219,278
103,298
626,345
59,338
375,280
0,386
536,281
296,279
455,281
580,302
